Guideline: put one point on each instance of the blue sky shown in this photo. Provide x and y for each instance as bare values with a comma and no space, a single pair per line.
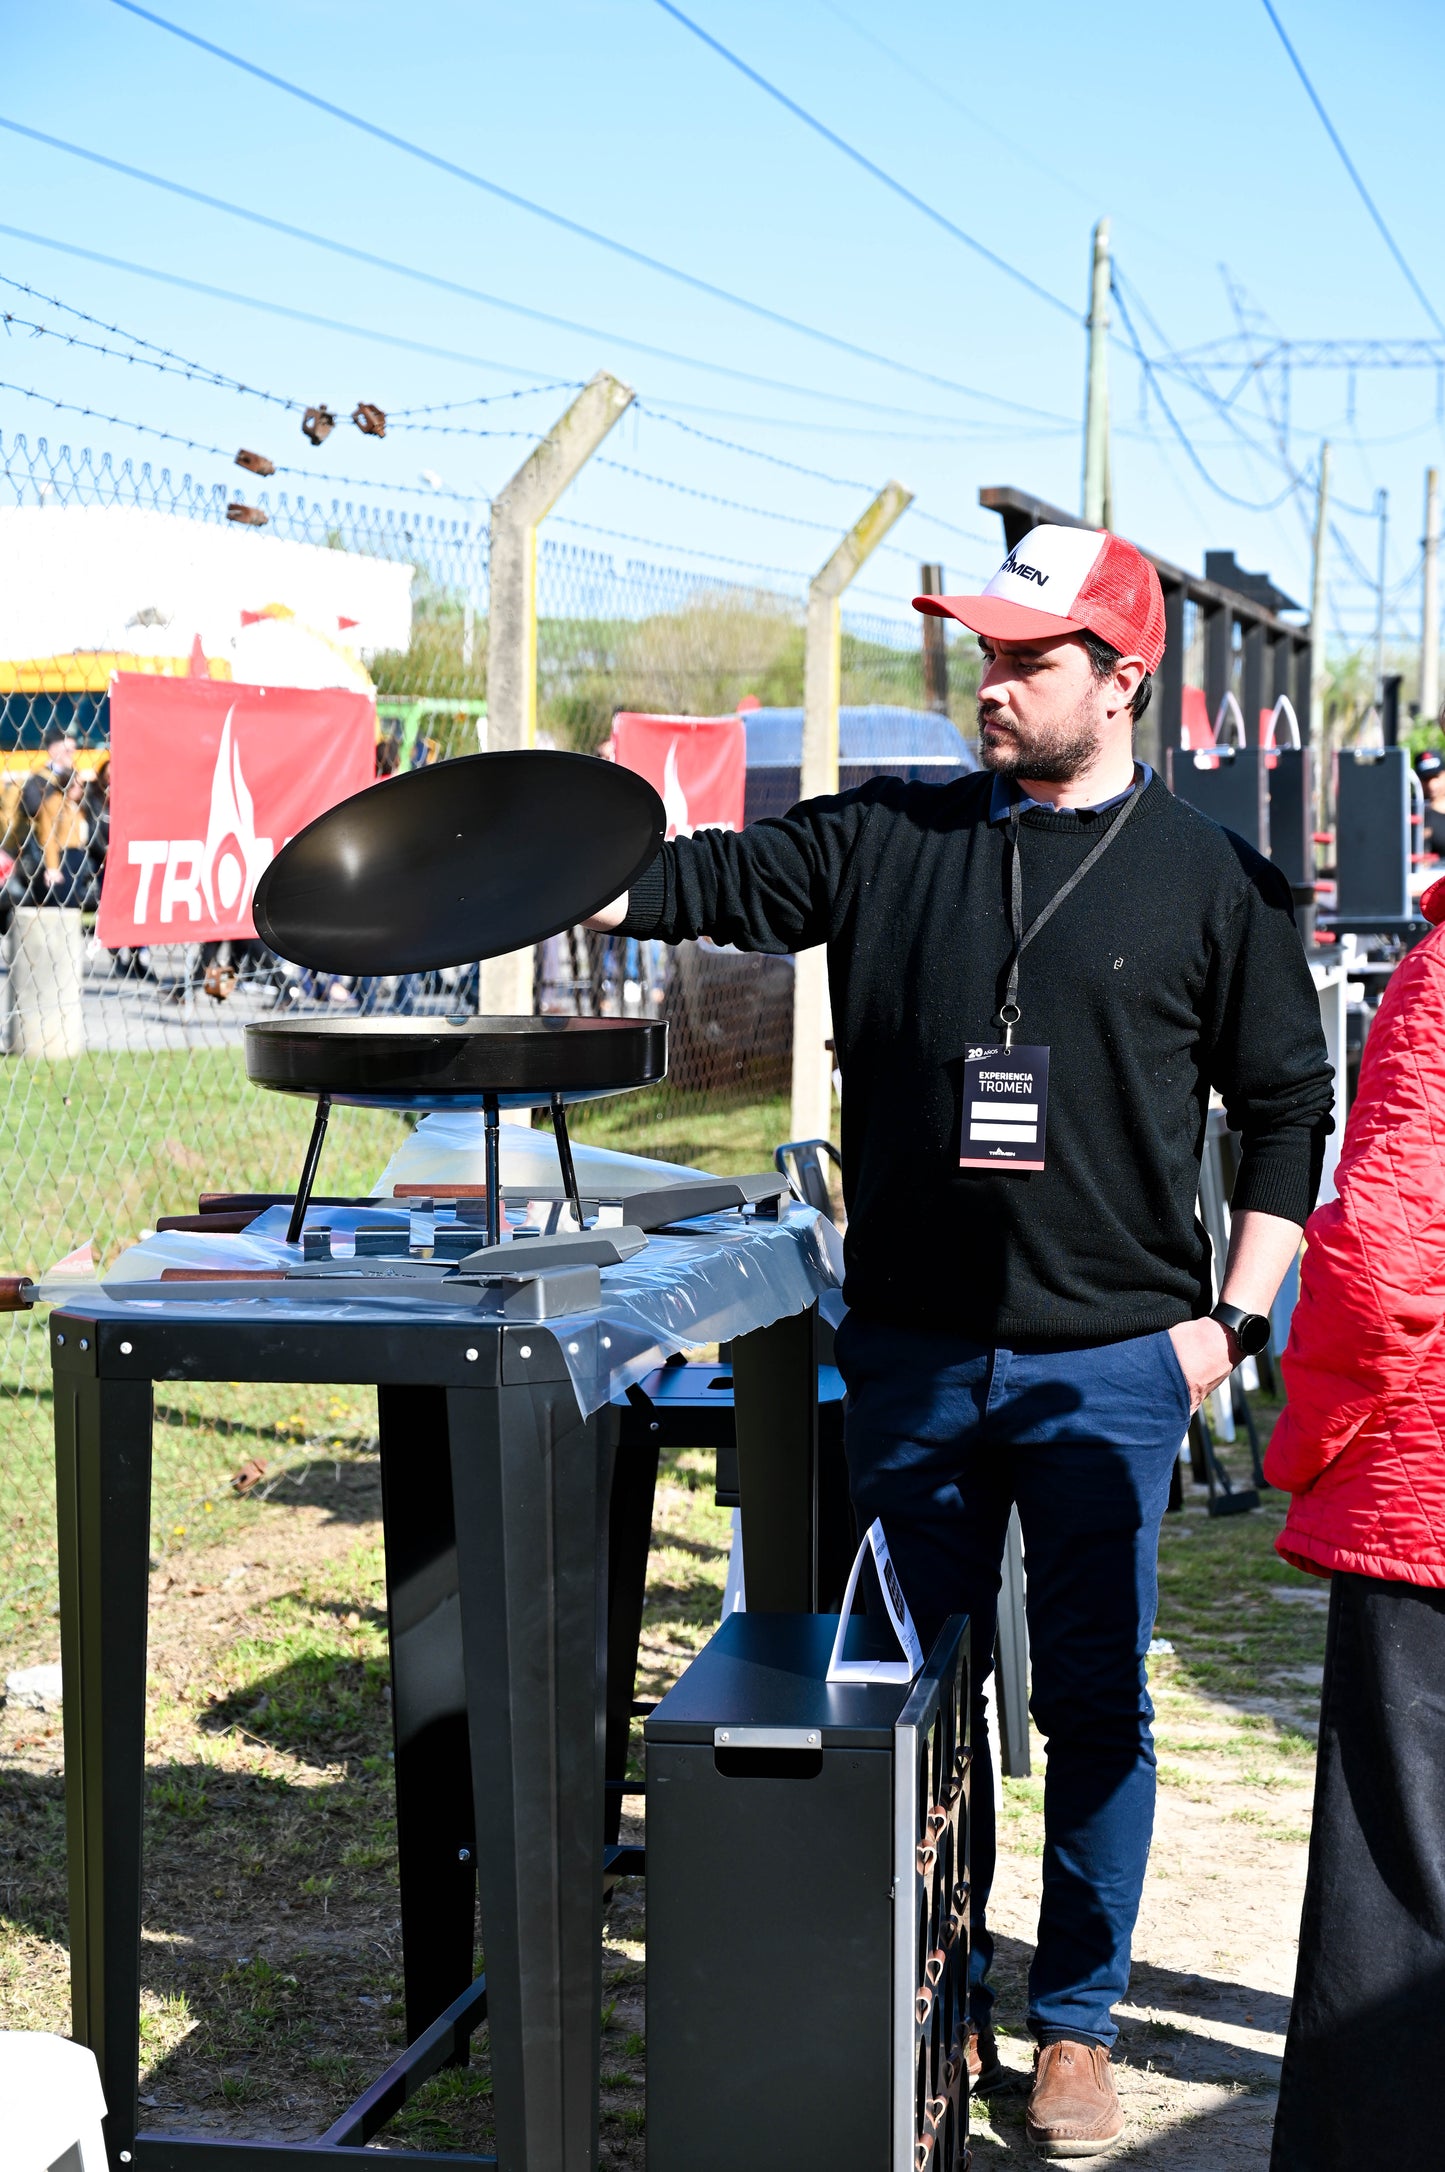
1020,124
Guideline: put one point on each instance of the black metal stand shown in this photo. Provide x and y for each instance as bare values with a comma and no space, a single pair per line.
308,1170
491,1117
564,1157
496,1499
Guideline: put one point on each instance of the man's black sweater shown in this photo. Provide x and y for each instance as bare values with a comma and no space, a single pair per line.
1174,967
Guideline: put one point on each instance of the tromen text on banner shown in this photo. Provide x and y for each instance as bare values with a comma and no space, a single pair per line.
208,780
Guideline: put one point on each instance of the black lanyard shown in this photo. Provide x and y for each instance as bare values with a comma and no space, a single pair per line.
1009,1013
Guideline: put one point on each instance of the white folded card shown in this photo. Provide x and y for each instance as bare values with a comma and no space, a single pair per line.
877,1670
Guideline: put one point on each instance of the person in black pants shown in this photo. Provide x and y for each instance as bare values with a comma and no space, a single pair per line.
1359,1446
1038,974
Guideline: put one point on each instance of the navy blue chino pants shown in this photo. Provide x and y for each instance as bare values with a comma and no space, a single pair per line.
943,1436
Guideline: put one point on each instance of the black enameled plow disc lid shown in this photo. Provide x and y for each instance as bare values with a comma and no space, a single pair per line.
464,860
455,1063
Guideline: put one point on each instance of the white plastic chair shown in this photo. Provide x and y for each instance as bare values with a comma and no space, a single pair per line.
51,2104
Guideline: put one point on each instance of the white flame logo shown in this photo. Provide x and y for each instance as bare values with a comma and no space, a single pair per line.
674,799
232,822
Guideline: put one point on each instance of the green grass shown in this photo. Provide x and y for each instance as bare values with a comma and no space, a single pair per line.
100,1147
729,1137
272,1970
97,1149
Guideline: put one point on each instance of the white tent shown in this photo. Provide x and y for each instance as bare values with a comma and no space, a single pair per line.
126,579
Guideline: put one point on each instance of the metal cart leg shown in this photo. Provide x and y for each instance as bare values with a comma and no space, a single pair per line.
775,1393
634,1487
529,1482
103,1475
1011,1658
436,1838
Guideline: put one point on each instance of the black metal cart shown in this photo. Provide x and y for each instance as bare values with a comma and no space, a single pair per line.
496,1499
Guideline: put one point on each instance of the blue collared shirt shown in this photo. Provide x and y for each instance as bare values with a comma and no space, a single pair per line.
1001,799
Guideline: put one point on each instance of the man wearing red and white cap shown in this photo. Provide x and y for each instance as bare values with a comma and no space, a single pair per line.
1038,976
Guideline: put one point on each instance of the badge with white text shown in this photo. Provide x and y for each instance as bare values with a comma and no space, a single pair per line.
1005,1106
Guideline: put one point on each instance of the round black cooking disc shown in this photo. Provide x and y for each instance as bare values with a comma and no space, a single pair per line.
464,860
455,1063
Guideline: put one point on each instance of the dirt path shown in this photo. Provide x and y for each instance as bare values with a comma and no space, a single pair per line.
271,1964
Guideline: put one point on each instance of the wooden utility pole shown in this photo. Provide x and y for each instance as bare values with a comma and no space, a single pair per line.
1430,603
1382,514
935,647
812,1105
1317,642
1098,505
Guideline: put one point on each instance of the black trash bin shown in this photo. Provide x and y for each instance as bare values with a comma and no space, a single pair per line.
807,1908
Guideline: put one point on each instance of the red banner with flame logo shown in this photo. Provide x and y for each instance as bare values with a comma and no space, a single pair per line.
207,781
697,763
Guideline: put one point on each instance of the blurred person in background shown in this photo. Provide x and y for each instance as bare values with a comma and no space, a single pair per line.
38,869
1430,769
97,814
63,834
1361,1447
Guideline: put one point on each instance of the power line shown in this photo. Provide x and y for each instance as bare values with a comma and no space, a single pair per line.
978,431
985,435
542,211
270,308
936,89
1311,354
356,255
1353,171
868,165
1250,505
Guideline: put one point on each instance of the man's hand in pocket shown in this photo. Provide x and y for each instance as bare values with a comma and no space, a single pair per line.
1206,1355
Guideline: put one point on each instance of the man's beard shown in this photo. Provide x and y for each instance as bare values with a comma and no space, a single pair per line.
1052,754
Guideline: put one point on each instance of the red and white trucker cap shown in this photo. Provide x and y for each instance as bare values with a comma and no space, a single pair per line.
1063,581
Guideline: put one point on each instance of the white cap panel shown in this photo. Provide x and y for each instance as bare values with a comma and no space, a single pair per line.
1048,568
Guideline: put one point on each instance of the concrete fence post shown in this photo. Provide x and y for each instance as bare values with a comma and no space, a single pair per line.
822,675
41,1011
506,982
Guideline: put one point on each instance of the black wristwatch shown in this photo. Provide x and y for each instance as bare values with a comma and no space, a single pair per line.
1249,1329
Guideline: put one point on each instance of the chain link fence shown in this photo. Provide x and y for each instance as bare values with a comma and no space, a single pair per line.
157,1108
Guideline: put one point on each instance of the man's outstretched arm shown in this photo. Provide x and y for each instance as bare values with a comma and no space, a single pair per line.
772,887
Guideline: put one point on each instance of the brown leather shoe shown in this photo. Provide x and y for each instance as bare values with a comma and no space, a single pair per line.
1073,2106
986,2073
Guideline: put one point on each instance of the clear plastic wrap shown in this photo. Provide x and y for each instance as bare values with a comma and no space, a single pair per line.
450,1148
736,1273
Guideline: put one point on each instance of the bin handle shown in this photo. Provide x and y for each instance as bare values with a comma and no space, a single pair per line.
1230,719
17,1293
1283,712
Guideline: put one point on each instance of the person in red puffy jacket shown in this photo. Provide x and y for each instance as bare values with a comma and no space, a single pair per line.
1361,1447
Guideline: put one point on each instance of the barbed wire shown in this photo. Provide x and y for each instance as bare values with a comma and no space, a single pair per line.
167,358
483,399
194,372
684,550
191,444
710,497
752,452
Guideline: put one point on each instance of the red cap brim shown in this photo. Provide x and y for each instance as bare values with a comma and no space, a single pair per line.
997,619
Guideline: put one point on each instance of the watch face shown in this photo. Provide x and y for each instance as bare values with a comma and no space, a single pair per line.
1253,1333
